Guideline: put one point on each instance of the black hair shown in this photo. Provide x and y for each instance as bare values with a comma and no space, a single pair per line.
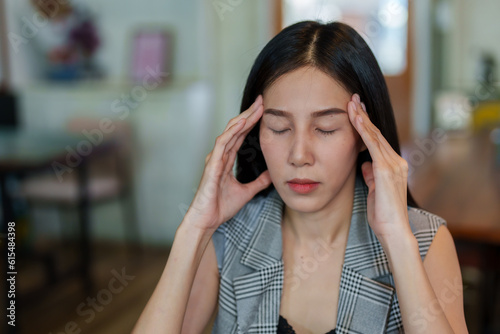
339,51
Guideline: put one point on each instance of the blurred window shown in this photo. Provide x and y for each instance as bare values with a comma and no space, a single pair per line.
382,23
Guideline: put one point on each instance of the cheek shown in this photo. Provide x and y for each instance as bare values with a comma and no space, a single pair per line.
266,137
342,151
267,144
273,149
351,138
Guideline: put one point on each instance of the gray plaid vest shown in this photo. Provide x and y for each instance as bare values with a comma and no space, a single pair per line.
249,256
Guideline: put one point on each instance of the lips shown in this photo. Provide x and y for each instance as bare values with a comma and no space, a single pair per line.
302,181
302,186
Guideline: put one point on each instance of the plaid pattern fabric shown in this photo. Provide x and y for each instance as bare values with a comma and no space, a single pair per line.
249,256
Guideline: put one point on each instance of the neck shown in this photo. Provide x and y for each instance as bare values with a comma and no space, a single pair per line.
330,224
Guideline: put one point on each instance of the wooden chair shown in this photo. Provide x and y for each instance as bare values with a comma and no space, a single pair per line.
108,177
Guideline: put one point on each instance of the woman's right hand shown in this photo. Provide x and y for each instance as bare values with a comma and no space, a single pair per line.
220,195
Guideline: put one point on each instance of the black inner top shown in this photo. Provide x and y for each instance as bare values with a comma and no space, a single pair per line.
285,328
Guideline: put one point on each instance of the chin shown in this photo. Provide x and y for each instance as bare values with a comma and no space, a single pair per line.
302,203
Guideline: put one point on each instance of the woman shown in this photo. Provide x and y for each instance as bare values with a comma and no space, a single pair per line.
320,234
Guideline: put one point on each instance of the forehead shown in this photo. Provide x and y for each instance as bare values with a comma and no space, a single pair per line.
306,89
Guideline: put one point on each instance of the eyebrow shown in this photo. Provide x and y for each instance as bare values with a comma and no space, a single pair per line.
315,114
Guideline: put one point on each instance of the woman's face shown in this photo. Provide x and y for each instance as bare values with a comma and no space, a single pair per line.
320,147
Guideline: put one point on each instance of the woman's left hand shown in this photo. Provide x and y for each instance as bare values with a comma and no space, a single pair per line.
386,177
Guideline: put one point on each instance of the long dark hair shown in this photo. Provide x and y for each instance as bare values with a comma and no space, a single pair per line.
334,48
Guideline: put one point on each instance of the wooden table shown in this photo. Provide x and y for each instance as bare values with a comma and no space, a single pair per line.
458,178
460,181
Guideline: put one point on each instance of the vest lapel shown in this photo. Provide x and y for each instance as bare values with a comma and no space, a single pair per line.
258,293
364,303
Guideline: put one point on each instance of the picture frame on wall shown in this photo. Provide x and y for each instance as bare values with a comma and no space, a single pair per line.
152,52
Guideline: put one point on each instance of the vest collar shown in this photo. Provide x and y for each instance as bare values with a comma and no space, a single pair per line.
260,290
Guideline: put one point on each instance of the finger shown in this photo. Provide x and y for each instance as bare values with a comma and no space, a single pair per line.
222,140
252,119
247,113
234,151
249,125
368,137
230,161
363,106
235,143
260,183
254,115
361,110
391,158
231,152
207,158
381,149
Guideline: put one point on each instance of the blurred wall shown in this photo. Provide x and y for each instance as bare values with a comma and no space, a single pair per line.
421,56
216,43
174,126
117,22
241,31
467,29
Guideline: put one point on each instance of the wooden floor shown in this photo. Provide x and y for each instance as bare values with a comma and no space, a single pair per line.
64,307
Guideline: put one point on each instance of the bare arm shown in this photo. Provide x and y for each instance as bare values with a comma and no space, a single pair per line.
165,310
191,264
418,286
202,302
429,293
443,269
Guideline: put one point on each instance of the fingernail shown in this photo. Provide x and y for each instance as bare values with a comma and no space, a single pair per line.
256,108
358,99
363,106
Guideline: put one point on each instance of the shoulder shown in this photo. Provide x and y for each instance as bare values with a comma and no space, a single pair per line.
424,226
424,222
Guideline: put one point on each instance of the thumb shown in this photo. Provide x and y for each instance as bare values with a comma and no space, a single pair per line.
367,170
260,183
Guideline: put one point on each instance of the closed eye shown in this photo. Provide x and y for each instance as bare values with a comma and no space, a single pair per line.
278,132
323,132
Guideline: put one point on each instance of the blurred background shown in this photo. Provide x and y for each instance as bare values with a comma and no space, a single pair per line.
108,109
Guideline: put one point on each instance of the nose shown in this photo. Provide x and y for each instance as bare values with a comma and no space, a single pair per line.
301,153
